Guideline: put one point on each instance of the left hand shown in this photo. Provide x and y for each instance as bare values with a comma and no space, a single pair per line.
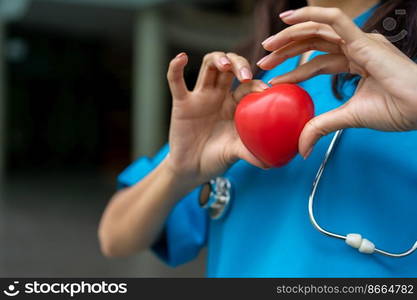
386,96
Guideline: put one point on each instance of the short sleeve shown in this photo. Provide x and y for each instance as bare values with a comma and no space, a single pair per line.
185,230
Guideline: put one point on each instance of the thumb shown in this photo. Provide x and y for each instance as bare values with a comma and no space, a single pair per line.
241,152
322,125
245,154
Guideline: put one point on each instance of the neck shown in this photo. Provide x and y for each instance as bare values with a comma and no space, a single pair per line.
352,8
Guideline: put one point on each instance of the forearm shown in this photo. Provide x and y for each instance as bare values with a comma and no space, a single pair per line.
135,216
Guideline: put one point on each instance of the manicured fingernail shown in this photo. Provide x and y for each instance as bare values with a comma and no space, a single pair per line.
286,14
263,85
180,55
224,61
308,153
261,61
245,73
267,40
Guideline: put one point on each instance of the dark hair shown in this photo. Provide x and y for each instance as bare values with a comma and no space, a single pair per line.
267,23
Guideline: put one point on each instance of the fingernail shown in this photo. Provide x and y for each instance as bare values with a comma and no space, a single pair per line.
286,14
267,40
308,153
245,73
263,85
224,61
180,55
261,61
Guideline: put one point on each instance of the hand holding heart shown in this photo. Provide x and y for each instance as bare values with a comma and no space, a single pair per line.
386,95
203,139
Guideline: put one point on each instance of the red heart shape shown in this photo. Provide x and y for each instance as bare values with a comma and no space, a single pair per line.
269,123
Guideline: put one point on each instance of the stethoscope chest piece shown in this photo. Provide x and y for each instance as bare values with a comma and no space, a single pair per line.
219,198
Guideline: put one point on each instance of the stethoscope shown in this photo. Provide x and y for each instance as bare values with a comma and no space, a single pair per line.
220,200
354,240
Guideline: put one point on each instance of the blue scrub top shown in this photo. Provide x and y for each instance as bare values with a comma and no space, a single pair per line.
369,187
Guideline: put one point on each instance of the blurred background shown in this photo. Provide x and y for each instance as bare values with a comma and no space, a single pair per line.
82,94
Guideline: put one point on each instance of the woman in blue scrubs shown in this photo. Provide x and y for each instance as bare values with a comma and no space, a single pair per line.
368,187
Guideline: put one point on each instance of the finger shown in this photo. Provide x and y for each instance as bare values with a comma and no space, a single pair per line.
322,64
295,48
249,87
225,80
212,64
301,32
322,125
241,67
245,154
333,17
175,76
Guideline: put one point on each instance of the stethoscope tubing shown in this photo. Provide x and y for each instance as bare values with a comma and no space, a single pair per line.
311,199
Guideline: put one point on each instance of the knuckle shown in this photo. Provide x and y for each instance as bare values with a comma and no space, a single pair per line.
316,29
284,55
171,65
378,36
236,57
212,58
211,55
292,34
173,73
314,126
320,70
296,76
218,53
238,60
207,57
244,88
335,14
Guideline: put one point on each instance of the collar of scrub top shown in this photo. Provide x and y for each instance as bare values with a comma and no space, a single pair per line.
354,240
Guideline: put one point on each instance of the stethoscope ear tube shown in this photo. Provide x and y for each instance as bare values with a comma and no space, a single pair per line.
354,240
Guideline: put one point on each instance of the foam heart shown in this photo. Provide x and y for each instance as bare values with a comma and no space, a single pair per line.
269,123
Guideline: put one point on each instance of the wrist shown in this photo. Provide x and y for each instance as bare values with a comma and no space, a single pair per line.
181,180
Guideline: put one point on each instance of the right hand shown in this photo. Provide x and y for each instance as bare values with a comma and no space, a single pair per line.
385,97
203,139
